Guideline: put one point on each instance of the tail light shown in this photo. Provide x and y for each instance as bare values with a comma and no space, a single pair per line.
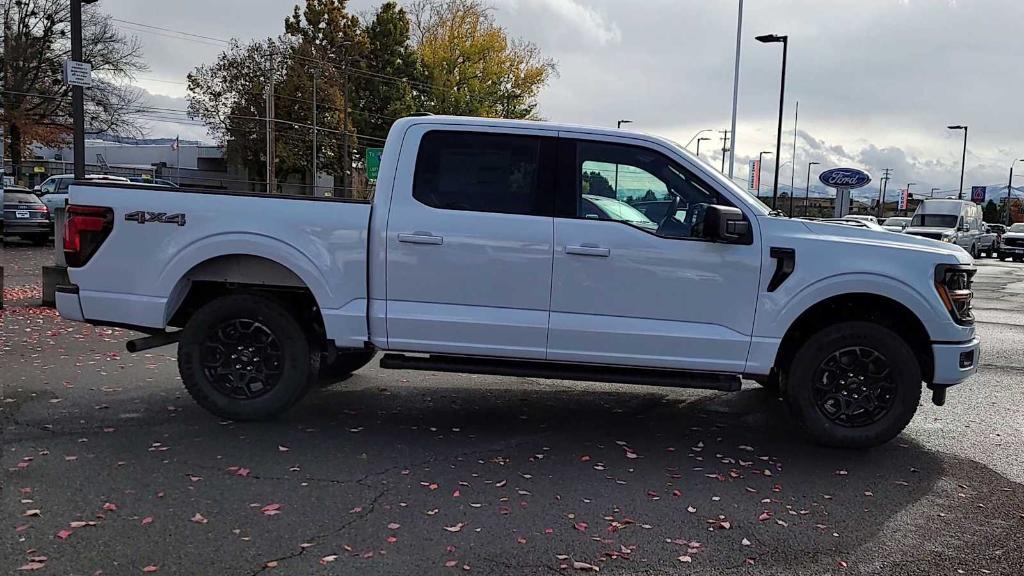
85,229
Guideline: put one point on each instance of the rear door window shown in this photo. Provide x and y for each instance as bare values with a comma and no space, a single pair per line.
482,172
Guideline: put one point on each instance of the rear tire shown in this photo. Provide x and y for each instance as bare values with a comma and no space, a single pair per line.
246,357
853,385
343,365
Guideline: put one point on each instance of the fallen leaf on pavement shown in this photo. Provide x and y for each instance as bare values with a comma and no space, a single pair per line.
581,526
585,566
110,507
283,448
685,558
198,519
63,534
394,526
455,528
147,520
32,566
328,559
149,569
451,563
32,513
271,509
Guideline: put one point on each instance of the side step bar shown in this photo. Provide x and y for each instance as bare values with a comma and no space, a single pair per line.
563,371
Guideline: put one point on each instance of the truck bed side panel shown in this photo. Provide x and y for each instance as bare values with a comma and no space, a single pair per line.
136,277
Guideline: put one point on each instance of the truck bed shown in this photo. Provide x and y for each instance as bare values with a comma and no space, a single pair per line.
144,268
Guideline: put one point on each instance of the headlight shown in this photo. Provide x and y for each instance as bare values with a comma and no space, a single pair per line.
953,283
948,237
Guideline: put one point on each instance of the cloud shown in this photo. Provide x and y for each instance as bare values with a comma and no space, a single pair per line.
566,22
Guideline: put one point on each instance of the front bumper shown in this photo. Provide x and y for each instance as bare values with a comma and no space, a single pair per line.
955,362
1015,250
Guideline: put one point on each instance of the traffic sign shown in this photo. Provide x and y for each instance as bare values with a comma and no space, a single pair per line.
373,162
978,194
77,73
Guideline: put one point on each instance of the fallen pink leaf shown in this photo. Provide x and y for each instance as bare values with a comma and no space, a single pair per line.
147,520
199,519
32,513
283,448
764,516
149,569
328,559
32,566
581,526
394,526
455,528
110,507
63,534
685,558
584,566
451,563
391,539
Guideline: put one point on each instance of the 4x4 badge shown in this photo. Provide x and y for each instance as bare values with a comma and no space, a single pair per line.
160,217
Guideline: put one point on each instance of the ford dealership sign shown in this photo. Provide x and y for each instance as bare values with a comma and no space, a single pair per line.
845,178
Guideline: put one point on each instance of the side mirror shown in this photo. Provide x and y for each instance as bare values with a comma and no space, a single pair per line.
724,224
965,227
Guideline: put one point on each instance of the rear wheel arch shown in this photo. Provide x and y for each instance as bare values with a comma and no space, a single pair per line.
867,307
233,273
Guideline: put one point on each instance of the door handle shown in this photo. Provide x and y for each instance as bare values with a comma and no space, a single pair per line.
588,250
421,238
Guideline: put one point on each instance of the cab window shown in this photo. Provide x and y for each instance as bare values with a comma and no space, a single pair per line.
638,187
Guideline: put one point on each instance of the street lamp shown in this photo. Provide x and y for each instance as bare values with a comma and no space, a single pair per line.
759,162
1009,188
699,132
807,191
907,208
621,122
962,160
698,144
932,193
772,39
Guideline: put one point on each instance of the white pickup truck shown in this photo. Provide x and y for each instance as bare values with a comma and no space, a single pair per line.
512,248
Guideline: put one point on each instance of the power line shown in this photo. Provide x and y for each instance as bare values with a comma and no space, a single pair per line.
171,30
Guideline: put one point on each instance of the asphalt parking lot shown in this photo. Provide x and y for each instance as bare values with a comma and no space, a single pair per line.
109,468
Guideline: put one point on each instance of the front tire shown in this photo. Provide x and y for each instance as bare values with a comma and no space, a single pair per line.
854,385
246,357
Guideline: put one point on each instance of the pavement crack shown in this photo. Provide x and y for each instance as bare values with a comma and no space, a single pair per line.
370,508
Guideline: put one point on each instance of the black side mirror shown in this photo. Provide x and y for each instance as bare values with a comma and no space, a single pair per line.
724,224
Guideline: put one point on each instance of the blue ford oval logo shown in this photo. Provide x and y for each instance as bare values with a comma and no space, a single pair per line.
844,178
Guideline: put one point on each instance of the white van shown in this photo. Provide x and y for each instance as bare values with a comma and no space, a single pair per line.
955,221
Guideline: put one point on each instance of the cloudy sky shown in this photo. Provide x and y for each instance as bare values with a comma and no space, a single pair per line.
877,80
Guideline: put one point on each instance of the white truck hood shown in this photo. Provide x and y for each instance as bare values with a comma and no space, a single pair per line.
944,251
1014,235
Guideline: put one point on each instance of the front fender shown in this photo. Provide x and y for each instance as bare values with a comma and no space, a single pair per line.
777,311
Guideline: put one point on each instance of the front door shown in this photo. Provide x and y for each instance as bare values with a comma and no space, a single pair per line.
469,253
633,282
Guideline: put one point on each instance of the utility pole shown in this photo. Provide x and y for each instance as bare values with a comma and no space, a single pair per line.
271,156
807,190
725,146
345,180
77,92
881,191
315,73
1009,189
963,160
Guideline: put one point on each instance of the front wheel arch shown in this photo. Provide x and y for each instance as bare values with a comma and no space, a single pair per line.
857,306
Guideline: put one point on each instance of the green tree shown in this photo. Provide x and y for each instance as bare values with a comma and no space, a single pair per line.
595,183
991,212
388,75
35,105
471,66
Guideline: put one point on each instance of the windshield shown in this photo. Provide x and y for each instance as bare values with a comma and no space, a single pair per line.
1016,228
21,198
935,220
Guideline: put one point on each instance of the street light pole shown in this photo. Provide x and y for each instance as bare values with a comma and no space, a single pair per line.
735,89
699,132
618,126
1009,189
807,190
698,145
759,162
792,171
963,160
771,39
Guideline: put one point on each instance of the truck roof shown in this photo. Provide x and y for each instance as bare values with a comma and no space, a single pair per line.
538,125
941,206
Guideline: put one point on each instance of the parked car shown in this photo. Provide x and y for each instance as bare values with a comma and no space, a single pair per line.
473,258
152,181
988,241
25,216
896,223
955,221
1012,243
54,190
862,218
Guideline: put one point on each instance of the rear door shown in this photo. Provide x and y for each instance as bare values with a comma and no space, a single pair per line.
628,290
469,242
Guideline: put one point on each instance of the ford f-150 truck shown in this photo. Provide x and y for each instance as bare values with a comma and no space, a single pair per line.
511,248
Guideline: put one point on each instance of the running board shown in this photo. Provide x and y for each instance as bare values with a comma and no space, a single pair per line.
563,371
